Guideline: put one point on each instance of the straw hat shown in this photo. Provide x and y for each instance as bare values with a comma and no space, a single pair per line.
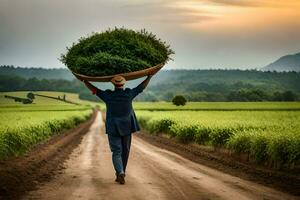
118,80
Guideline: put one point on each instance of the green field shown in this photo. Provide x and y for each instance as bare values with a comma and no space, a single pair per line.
226,106
40,100
216,106
24,125
267,132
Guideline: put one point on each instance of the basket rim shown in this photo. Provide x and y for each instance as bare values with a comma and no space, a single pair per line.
139,73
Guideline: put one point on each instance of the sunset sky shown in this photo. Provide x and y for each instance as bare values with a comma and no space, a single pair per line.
203,33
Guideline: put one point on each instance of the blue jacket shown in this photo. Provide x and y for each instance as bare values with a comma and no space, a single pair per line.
120,116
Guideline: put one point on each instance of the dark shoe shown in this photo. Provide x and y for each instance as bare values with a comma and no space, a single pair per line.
121,178
117,178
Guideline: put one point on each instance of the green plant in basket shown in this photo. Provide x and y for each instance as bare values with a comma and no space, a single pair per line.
116,51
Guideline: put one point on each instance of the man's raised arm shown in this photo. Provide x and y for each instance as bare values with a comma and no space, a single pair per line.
135,91
146,81
92,88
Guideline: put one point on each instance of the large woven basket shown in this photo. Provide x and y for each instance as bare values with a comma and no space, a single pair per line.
127,76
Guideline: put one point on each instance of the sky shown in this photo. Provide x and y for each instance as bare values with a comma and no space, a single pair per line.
204,34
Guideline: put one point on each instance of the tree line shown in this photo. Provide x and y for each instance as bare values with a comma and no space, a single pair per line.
195,85
238,91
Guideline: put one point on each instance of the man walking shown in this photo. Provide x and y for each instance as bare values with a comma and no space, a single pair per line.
121,121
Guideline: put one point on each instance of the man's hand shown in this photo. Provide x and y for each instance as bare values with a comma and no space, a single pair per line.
152,72
92,88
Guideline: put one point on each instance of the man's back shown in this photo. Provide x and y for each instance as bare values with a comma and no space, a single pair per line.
120,116
118,102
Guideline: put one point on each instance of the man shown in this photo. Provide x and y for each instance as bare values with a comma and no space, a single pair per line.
121,121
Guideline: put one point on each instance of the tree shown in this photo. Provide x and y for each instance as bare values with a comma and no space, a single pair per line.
277,96
248,95
289,96
179,100
285,96
30,95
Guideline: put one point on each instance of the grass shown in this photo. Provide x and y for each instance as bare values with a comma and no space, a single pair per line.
41,100
226,106
24,125
270,134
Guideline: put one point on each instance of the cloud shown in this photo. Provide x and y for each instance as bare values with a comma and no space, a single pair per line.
177,19
242,3
167,12
254,3
202,32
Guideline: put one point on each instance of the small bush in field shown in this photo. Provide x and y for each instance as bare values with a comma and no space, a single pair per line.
179,100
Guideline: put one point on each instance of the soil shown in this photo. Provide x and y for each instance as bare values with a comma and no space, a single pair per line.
233,165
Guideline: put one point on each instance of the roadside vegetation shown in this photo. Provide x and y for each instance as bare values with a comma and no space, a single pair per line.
24,125
265,136
219,106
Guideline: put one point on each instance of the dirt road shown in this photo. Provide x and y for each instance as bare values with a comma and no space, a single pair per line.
152,173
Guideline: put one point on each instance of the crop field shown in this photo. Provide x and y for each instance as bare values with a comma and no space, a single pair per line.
42,101
267,136
215,106
24,125
226,106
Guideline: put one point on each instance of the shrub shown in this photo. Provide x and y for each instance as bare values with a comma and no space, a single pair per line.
240,142
202,135
220,136
30,95
160,125
278,149
258,149
183,133
179,100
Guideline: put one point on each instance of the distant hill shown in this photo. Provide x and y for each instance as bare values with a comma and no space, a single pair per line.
196,85
285,63
39,73
180,80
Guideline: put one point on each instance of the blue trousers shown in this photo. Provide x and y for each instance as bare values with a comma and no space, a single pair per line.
120,147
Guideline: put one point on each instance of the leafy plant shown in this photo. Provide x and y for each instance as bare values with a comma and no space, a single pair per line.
268,137
115,51
24,126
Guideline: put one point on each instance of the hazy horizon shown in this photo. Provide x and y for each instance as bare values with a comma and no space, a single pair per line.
205,34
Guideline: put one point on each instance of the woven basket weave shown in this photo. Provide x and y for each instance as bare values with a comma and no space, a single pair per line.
127,76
